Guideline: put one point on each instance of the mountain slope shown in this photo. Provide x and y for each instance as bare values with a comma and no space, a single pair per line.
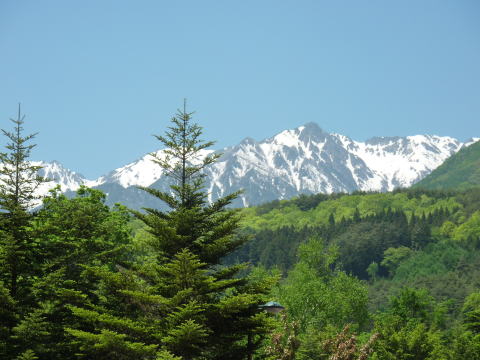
307,160
460,171
303,160
58,175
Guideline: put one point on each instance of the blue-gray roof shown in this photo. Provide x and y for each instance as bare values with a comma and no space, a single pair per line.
272,304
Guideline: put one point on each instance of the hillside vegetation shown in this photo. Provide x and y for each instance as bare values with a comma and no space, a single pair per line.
321,209
460,171
403,265
401,218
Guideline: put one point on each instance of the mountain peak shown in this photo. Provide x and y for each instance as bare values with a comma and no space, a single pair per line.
311,132
248,141
305,159
311,127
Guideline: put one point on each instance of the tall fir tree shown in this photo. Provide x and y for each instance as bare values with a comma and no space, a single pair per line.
19,180
179,302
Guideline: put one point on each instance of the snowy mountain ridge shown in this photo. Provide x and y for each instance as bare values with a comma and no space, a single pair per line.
302,160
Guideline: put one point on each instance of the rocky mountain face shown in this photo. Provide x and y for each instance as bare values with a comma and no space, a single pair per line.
303,160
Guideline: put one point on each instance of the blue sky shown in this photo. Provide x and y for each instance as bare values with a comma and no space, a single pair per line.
97,78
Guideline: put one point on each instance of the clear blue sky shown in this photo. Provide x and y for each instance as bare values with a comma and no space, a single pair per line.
97,78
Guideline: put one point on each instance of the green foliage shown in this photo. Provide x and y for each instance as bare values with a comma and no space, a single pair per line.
177,300
410,340
18,182
469,231
412,304
438,258
466,345
449,271
81,230
392,257
408,330
460,171
341,206
271,248
409,234
470,200
372,271
447,229
81,280
417,252
315,294
19,178
471,313
367,241
27,355
33,332
7,319
363,225
111,345
68,235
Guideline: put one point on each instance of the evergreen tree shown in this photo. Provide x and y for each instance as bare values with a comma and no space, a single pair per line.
420,233
331,220
179,301
207,230
7,320
71,235
18,183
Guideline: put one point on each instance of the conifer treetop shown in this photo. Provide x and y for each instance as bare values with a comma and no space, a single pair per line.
183,160
19,179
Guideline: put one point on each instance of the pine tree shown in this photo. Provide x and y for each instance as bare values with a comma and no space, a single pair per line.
19,180
331,220
207,230
179,302
18,183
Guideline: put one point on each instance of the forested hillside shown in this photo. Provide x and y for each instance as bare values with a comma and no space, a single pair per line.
356,258
359,276
405,217
460,171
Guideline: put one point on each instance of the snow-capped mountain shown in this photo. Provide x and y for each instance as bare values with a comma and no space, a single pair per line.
399,162
59,175
309,160
143,172
303,160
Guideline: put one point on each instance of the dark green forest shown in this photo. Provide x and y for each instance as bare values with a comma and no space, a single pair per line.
360,276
